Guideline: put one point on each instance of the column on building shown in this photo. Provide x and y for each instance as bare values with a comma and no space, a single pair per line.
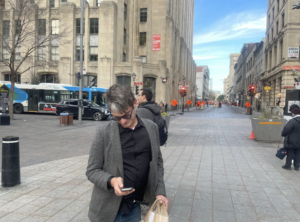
277,90
161,88
272,93
107,43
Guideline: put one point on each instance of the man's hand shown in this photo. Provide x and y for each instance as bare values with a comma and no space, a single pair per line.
164,199
117,184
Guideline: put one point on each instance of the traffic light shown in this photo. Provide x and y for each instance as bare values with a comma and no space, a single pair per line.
183,92
251,91
136,90
78,75
94,81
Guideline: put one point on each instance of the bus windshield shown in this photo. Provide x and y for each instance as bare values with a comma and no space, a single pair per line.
93,104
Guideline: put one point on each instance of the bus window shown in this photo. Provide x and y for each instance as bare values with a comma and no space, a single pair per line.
65,95
51,96
85,95
99,98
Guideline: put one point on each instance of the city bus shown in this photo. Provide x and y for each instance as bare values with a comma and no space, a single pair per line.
43,98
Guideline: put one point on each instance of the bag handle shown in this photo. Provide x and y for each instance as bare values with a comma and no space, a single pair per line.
155,205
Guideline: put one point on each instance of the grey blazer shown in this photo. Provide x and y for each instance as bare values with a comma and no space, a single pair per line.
106,160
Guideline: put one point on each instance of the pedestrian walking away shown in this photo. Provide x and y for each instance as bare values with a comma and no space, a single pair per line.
125,153
166,107
161,104
291,132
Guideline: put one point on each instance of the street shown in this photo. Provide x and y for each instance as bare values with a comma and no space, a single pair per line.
213,171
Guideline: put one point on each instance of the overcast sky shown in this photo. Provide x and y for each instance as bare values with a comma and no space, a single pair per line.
222,27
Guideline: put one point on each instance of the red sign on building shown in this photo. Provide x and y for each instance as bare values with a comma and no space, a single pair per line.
138,83
156,42
290,67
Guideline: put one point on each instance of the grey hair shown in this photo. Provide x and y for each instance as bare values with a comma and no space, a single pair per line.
119,98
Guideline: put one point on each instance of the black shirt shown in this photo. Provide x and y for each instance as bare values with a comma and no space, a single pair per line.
136,151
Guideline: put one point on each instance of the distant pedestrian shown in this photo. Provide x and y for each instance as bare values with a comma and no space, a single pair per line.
220,104
291,132
161,107
124,154
166,107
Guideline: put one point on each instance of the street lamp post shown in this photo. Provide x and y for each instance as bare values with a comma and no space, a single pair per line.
133,78
183,96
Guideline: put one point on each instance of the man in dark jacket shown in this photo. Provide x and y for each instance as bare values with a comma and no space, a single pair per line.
291,132
147,108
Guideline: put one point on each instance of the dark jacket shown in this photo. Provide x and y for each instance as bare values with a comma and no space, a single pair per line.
105,160
291,132
148,110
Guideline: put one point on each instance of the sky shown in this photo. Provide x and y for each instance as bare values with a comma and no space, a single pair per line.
222,27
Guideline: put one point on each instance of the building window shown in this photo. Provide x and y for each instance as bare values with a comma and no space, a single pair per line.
268,38
52,3
144,59
54,53
63,0
98,2
41,56
143,38
124,36
124,80
278,5
48,78
18,27
281,50
93,53
20,4
143,15
94,25
125,11
269,20
18,53
5,53
277,27
77,57
273,10
272,34
54,27
78,26
42,26
17,79
282,20
124,57
5,28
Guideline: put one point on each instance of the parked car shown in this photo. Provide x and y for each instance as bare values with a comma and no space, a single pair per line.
90,109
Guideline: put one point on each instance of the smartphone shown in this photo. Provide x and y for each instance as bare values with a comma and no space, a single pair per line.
127,189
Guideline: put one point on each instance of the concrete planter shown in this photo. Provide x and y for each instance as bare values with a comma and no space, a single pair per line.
266,130
167,118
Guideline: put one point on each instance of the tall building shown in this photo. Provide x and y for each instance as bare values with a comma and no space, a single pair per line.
240,70
153,39
281,52
202,82
229,88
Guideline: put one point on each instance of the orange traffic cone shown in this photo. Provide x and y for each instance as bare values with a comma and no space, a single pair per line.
252,136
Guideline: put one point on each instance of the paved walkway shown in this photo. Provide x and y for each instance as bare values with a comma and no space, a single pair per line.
213,172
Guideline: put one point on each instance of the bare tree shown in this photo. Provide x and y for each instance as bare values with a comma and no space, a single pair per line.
23,35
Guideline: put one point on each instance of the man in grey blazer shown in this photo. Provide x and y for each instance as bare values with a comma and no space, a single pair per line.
125,153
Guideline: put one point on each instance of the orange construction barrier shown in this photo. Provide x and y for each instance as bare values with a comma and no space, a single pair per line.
252,136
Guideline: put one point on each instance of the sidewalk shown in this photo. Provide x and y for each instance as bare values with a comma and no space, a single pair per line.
213,172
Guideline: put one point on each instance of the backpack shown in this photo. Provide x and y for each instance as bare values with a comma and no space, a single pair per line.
162,128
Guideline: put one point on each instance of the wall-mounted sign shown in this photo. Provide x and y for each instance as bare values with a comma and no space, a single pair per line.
293,52
156,42
84,71
164,80
290,67
138,83
297,85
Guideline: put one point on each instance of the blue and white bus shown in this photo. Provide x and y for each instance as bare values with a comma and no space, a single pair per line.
43,98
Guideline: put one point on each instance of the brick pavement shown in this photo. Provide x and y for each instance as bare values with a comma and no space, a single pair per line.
213,172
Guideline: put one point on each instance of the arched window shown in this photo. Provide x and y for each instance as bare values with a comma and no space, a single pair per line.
150,83
124,80
48,78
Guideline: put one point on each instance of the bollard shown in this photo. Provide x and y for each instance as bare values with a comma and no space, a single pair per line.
10,161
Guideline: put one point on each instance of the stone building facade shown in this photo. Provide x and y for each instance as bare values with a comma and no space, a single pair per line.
282,34
202,82
229,80
239,92
153,39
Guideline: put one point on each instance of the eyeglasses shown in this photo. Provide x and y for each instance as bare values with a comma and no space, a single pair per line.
124,117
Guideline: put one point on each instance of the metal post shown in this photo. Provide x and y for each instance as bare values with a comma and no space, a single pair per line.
182,104
80,103
251,105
